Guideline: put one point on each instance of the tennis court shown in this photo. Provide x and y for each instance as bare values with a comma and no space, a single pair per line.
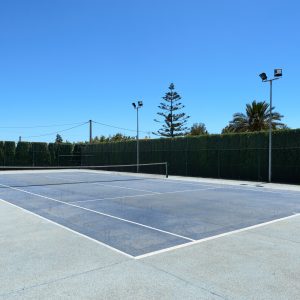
141,215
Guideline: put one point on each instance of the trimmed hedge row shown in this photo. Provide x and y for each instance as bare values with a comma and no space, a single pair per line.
35,154
232,156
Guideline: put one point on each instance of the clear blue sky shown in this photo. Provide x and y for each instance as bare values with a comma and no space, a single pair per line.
68,61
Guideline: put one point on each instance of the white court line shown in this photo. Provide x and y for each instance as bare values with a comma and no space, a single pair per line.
68,229
216,185
141,195
103,184
215,237
231,186
99,213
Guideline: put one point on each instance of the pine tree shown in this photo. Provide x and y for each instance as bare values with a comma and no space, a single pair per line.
174,123
58,139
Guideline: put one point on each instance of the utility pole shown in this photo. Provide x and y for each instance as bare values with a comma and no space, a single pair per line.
91,133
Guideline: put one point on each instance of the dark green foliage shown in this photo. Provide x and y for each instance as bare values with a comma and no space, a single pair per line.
9,153
2,162
286,164
100,139
52,153
233,156
40,154
77,150
198,129
23,156
63,153
77,158
105,153
173,121
115,138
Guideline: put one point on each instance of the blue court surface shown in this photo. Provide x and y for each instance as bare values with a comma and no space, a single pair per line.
139,215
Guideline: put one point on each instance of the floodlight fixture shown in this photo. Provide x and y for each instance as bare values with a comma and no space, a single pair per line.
263,76
134,105
140,103
277,72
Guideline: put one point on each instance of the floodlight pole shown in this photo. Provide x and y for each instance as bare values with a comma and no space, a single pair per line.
137,141
270,134
270,128
264,79
137,106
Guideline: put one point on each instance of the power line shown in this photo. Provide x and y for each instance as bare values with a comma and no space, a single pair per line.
67,129
66,124
122,128
55,132
40,126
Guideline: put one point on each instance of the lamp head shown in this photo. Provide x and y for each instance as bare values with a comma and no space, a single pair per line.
140,103
277,72
263,76
134,105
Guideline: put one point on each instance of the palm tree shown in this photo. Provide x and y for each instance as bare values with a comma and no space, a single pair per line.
256,119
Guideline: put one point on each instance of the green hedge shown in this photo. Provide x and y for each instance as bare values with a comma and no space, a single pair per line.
9,153
35,154
232,156
40,154
78,155
23,156
60,154
2,161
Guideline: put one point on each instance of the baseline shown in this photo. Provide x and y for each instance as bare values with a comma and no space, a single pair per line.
68,229
170,180
215,237
231,187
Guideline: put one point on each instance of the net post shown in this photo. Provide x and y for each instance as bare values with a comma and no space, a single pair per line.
167,175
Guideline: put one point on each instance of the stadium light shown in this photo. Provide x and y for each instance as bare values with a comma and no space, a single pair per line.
264,78
277,72
137,107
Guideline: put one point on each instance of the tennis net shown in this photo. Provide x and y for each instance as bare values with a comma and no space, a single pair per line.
14,176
